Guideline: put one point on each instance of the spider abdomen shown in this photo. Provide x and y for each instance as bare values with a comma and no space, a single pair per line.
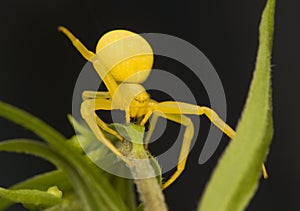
128,56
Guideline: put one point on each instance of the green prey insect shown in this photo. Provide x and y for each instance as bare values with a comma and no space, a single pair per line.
123,75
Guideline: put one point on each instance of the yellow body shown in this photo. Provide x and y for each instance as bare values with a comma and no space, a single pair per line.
124,60
134,69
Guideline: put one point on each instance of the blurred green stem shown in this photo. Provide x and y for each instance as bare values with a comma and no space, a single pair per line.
149,190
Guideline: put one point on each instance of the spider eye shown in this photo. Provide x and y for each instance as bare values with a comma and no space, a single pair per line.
139,100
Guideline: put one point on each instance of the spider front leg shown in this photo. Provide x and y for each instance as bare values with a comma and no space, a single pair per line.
185,108
87,110
186,142
104,103
185,147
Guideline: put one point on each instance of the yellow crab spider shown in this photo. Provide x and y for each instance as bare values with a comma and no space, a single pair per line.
123,67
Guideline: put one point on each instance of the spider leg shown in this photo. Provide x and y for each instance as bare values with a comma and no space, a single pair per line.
76,42
103,72
88,108
153,122
215,119
86,95
104,104
186,143
185,108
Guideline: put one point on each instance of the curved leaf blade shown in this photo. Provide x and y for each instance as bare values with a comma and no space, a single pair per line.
30,197
41,182
235,179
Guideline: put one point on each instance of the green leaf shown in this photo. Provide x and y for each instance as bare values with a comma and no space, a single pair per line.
98,194
41,182
45,152
236,177
32,197
46,180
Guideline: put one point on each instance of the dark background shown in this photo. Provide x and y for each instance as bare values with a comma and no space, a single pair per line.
39,68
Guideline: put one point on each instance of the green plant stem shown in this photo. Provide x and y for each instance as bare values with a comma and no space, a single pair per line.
149,190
